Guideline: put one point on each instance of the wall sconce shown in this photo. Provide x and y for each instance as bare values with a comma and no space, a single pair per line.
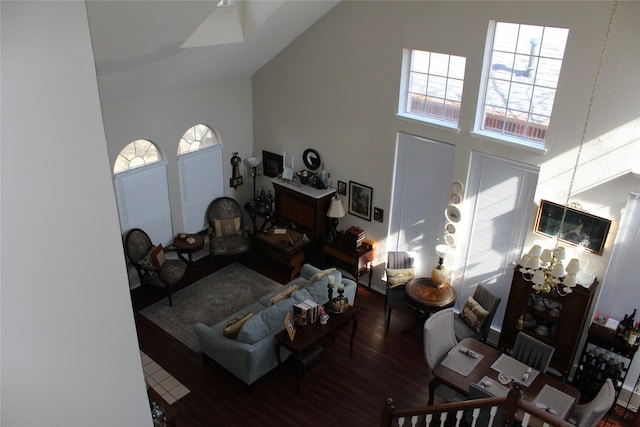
236,178
336,210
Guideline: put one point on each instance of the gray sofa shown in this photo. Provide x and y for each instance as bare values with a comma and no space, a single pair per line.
252,353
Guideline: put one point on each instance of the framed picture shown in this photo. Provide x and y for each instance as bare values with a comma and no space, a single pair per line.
360,198
271,164
342,188
579,227
378,214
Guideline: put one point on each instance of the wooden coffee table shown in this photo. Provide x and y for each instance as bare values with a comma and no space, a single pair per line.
309,335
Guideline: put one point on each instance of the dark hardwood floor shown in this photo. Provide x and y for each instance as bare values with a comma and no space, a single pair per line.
341,391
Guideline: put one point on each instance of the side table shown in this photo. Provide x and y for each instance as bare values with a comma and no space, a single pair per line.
356,260
427,297
259,211
190,244
309,335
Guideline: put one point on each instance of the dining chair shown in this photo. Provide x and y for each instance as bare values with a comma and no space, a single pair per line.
590,414
399,271
438,339
532,352
476,391
468,328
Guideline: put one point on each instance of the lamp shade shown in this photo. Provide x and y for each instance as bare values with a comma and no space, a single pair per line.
336,210
535,250
524,261
573,266
560,252
545,256
253,161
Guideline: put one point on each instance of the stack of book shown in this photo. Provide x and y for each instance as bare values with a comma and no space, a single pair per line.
354,236
306,312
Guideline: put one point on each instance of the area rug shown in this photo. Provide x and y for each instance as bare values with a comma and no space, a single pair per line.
209,300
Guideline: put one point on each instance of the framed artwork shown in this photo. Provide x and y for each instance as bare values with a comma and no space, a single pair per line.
360,198
342,188
579,228
272,164
378,214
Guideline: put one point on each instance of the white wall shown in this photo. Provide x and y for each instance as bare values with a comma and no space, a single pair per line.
335,89
69,354
164,117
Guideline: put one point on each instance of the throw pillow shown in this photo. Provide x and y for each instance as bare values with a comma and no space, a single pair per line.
253,330
227,227
157,256
473,314
319,275
400,276
283,294
232,327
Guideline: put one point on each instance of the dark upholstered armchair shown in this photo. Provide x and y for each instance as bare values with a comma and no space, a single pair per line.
227,234
150,263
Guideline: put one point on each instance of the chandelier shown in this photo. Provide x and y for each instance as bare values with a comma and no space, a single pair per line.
545,269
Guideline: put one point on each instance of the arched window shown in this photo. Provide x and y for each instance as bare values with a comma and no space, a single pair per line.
196,138
137,153
142,192
200,174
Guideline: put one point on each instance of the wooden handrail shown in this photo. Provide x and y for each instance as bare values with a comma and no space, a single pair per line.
515,411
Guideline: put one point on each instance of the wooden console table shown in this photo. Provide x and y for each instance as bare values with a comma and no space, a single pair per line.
355,260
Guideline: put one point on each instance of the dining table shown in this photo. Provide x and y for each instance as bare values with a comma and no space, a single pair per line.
472,361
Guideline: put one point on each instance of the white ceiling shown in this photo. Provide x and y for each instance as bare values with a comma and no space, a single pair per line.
147,46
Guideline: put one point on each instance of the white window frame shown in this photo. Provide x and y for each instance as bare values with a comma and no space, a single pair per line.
405,89
493,135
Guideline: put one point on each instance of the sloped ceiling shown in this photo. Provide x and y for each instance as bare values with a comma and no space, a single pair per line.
142,47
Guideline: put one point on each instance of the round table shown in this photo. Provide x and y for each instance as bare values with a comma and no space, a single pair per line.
426,297
184,247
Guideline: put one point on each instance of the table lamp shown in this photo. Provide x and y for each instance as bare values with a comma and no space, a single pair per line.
440,274
253,163
336,210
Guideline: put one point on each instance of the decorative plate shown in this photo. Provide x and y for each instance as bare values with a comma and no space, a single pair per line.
456,187
453,214
450,240
455,198
311,159
450,228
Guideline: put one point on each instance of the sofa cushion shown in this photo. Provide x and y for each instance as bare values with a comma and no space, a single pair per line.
301,295
233,326
273,316
473,314
253,330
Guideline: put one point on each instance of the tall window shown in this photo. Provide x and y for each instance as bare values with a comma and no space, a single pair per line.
142,191
431,89
200,173
520,82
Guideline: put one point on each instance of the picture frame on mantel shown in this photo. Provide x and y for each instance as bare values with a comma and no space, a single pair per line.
579,228
272,164
360,200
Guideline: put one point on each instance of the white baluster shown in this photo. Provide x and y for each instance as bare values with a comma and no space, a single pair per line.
400,421
476,413
459,415
427,420
443,418
525,419
414,420
494,409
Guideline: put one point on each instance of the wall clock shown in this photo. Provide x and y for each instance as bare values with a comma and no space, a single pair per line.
311,159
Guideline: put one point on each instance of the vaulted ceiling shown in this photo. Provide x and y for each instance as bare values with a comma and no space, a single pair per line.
141,47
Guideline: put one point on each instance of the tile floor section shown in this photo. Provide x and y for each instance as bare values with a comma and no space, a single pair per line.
161,381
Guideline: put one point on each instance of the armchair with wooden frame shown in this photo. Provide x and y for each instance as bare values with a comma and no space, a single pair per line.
227,234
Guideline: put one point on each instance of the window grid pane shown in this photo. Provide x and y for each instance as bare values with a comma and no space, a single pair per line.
520,87
196,138
435,84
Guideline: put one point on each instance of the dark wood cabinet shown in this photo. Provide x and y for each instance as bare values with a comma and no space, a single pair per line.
560,326
305,208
